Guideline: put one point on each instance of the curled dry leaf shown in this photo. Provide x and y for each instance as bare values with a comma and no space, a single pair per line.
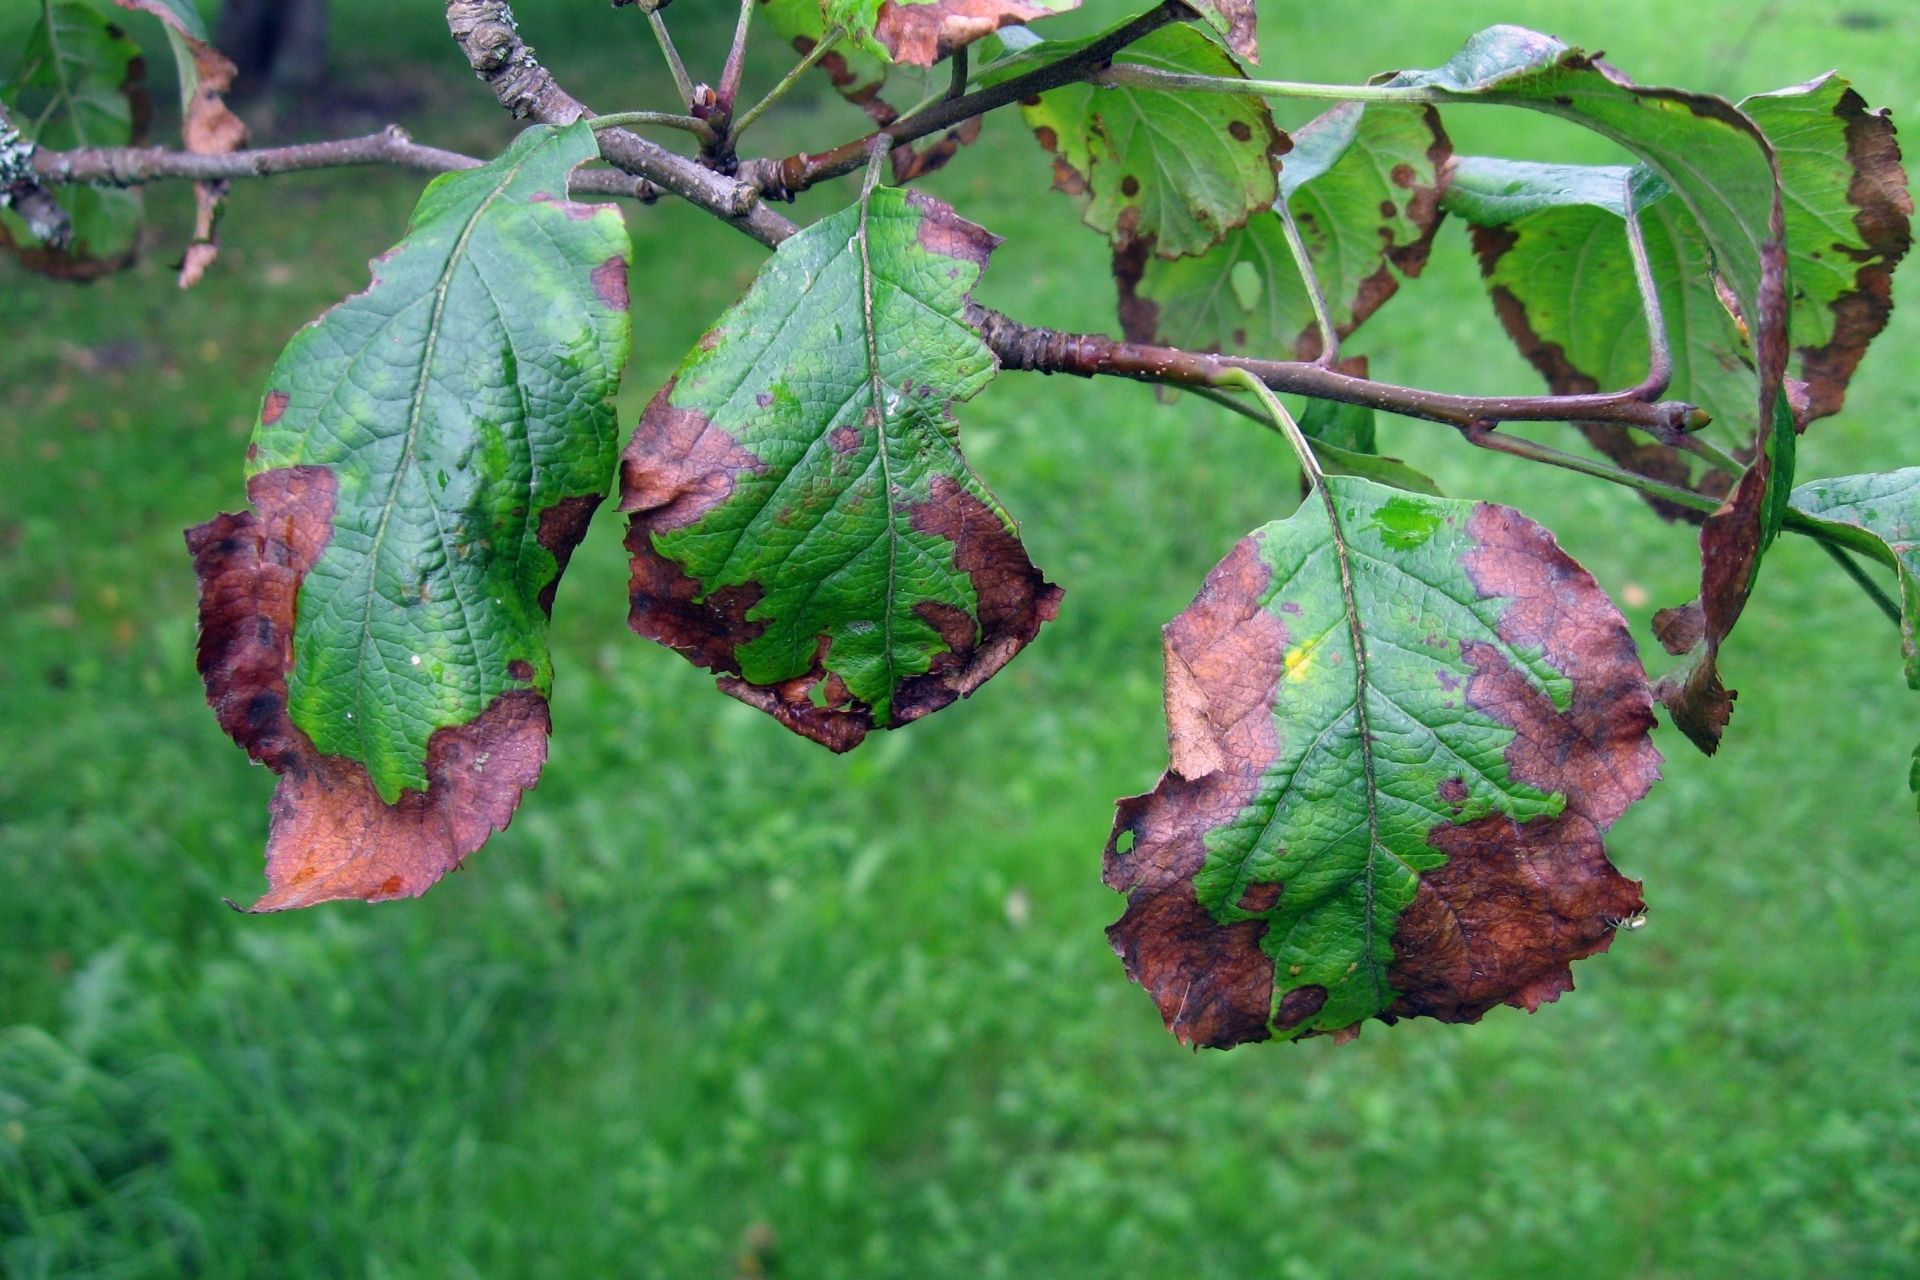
1397,738
922,32
804,522
425,460
207,125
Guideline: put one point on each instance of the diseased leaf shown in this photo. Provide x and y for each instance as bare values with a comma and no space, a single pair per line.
1552,244
1879,515
857,73
803,520
1719,165
1849,223
921,32
208,126
1396,742
426,459
1160,172
1363,184
1234,20
80,83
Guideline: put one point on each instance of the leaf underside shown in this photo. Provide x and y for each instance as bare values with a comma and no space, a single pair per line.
803,521
426,458
1720,165
1389,809
1880,515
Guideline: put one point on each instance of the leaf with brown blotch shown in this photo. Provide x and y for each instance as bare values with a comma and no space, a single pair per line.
331,835
426,459
207,125
804,522
1399,727
925,31
1363,184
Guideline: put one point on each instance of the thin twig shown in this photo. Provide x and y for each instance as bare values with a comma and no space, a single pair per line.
783,179
681,80
1022,346
656,119
821,48
1329,335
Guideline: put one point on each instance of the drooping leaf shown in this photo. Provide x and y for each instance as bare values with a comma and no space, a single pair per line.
426,459
1720,165
1168,173
80,83
1879,515
1363,184
1552,244
1234,20
803,520
208,126
1399,727
1849,223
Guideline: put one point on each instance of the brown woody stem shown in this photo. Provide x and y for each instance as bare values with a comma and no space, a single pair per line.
783,179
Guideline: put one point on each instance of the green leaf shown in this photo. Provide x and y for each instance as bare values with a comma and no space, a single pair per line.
803,519
426,458
1849,223
1169,173
1398,728
80,83
1720,165
1879,514
1363,184
855,71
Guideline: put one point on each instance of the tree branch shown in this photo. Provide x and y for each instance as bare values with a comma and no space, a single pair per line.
487,34
1086,355
131,166
784,179
21,189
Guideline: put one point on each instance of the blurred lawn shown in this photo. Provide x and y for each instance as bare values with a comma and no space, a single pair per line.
721,1004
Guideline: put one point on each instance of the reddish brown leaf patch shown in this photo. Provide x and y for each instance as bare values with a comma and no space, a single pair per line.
922,34
331,836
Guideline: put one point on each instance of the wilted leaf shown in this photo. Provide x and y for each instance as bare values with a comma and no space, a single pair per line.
81,83
1552,244
1167,172
803,520
426,459
1396,742
1719,164
1879,515
1849,223
1363,184
1234,20
208,126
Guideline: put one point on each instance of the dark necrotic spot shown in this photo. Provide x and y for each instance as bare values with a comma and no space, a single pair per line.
1261,897
276,404
520,669
1298,1005
1240,130
1129,186
610,282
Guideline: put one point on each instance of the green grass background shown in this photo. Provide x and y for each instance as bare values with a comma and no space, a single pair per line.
721,1004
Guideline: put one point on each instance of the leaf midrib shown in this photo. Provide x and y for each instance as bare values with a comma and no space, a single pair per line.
441,288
